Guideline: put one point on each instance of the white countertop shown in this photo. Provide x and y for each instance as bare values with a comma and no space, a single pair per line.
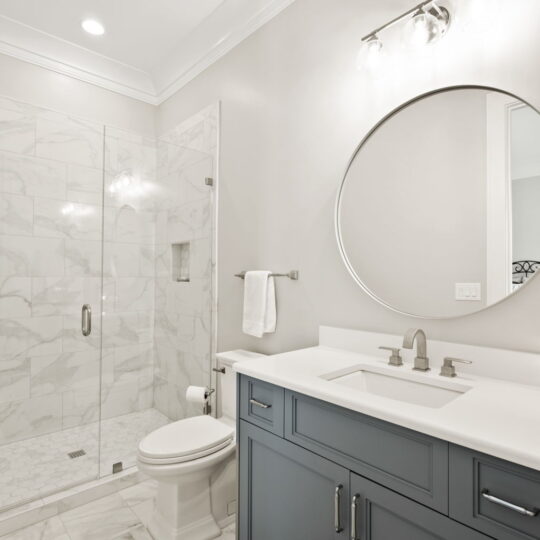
495,417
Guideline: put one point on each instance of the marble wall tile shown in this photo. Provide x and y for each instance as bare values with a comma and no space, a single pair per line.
24,256
84,185
121,259
64,372
126,224
123,154
64,219
134,294
72,338
17,132
169,399
31,337
123,329
201,258
69,140
130,363
82,258
183,333
147,254
33,176
30,418
191,220
15,297
119,398
64,295
16,214
14,379
81,407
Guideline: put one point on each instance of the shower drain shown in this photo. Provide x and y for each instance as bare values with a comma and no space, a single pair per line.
76,454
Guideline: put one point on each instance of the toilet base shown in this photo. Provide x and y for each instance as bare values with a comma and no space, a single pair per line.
182,510
204,529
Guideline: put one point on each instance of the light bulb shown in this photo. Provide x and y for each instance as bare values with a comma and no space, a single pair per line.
93,27
370,53
427,25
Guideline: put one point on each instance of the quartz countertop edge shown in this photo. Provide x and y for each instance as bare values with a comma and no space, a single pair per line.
495,417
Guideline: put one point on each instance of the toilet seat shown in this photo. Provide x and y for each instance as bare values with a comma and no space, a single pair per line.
185,440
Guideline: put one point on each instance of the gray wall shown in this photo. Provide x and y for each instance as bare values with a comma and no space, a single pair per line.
293,110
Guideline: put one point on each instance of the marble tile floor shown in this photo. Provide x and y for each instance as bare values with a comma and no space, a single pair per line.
120,516
36,467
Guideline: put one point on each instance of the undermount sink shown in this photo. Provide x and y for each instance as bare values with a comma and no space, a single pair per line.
401,386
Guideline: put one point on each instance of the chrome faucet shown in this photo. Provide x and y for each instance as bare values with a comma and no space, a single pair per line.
421,361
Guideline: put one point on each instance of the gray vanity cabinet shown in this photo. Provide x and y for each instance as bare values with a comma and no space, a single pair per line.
288,493
309,470
382,514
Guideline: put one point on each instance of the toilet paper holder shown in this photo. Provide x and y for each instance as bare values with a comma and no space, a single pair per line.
207,407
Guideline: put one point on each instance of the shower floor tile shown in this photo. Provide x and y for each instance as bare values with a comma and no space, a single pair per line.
37,467
114,517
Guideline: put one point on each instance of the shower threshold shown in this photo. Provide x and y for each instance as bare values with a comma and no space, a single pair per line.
37,472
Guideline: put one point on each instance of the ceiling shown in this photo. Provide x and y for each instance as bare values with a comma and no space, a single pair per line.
150,48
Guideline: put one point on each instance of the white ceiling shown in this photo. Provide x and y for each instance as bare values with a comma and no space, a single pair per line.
151,48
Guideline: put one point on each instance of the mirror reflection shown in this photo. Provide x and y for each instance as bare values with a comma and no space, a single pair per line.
438,214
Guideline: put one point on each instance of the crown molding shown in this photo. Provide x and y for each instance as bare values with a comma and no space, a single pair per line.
223,46
50,52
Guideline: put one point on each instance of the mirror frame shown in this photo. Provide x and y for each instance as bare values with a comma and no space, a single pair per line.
339,198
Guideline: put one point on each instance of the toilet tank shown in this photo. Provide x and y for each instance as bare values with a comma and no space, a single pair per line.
226,382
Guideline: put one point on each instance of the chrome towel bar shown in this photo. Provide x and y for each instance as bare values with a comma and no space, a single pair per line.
293,274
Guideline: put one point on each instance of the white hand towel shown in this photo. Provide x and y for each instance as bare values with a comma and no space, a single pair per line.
259,303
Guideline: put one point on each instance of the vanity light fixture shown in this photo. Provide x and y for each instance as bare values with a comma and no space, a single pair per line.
91,26
427,22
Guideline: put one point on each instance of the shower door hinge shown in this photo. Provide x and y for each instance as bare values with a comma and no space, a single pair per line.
209,181
117,467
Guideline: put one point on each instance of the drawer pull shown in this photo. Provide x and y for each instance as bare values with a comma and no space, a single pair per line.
259,404
354,508
337,504
501,502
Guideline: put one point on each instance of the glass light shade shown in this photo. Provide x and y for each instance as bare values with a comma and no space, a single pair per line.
427,26
370,53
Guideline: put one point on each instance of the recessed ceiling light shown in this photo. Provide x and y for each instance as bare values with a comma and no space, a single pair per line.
93,27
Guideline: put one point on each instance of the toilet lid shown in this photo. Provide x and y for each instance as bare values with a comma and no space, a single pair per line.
186,437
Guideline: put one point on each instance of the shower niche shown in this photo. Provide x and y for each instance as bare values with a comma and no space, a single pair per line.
180,262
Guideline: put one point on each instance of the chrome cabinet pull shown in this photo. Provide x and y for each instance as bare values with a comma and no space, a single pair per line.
259,404
516,508
354,508
86,320
337,504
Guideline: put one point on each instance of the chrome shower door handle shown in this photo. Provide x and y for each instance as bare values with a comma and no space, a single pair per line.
86,320
337,504
354,511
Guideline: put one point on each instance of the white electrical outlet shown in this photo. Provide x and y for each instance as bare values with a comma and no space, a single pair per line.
469,292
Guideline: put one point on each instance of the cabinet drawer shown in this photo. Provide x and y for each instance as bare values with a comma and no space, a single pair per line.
403,460
262,404
480,487
381,514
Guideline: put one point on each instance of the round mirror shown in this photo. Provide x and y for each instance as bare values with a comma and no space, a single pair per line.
439,211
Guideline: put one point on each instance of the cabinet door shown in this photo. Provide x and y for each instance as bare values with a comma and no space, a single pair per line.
381,514
287,493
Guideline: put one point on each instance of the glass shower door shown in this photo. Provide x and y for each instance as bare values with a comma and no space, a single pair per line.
51,192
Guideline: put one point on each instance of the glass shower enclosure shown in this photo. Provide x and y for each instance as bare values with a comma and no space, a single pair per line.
106,291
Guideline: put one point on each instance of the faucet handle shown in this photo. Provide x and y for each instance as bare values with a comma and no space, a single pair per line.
448,369
395,358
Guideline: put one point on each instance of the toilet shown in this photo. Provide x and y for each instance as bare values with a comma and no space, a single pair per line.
193,462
